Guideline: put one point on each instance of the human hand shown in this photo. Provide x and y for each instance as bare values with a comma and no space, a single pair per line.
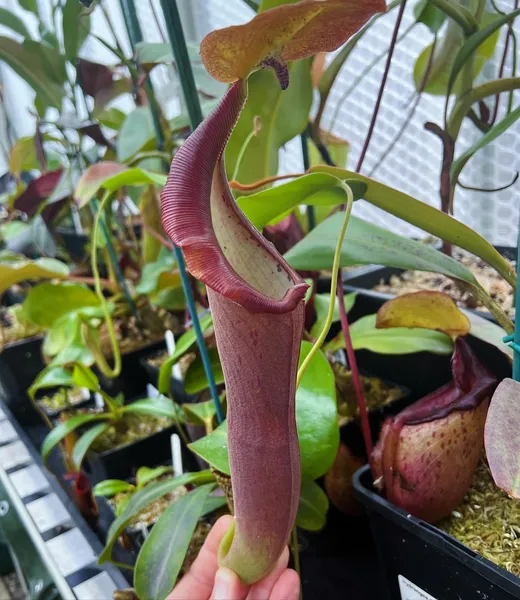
206,581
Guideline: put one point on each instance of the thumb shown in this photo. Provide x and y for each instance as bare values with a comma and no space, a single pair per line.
228,586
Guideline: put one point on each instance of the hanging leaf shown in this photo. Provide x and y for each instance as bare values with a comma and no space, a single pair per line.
502,437
32,198
111,487
12,21
312,508
427,310
433,17
163,552
16,270
137,134
143,498
76,28
83,444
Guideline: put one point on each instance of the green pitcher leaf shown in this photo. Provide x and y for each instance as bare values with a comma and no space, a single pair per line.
144,498
81,447
14,269
163,552
200,413
313,507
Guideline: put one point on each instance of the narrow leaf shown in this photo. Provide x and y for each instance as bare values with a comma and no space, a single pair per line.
312,508
81,447
111,487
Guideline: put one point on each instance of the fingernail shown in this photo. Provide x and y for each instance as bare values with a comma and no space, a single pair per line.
223,585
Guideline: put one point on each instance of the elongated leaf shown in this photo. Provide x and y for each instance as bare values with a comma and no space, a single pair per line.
11,20
195,380
144,474
75,29
183,344
160,406
63,429
111,487
15,271
82,446
85,377
47,302
313,507
51,377
265,206
502,437
137,132
428,219
213,448
398,340
144,498
475,40
491,135
163,552
430,15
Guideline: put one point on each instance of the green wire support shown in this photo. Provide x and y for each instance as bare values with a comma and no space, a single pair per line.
311,212
513,339
191,97
178,42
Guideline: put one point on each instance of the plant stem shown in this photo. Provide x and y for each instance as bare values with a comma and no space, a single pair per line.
503,320
393,43
459,14
249,187
295,549
334,280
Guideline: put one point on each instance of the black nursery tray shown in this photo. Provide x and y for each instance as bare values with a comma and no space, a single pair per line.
421,561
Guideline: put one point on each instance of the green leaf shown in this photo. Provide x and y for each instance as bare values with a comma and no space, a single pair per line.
200,413
15,270
11,20
111,487
160,406
75,29
316,420
82,446
429,219
213,448
491,135
51,377
158,275
144,498
47,302
321,305
30,5
171,299
49,58
488,332
316,416
397,340
163,552
316,189
183,344
85,377
195,379
63,429
313,507
111,117
430,15
484,39
283,114
144,474
136,134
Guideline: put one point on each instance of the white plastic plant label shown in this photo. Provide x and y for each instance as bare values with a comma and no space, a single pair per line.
410,591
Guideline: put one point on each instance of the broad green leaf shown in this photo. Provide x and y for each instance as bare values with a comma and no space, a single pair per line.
482,41
338,150
47,302
316,420
428,219
487,331
183,344
11,20
15,271
200,413
85,378
49,58
398,340
160,274
136,134
63,429
144,498
111,487
51,377
75,28
283,115
316,416
171,299
314,189
444,73
160,406
491,135
312,508
112,176
149,207
213,448
321,305
144,474
23,155
83,444
163,552
195,380
112,118
430,15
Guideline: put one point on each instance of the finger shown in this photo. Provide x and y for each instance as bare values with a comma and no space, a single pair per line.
287,587
197,584
262,589
228,586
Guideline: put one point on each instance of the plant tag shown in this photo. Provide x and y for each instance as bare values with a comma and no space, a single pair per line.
98,398
170,346
152,391
175,442
410,591
48,512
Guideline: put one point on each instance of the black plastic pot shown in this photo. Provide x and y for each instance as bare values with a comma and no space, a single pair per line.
414,553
